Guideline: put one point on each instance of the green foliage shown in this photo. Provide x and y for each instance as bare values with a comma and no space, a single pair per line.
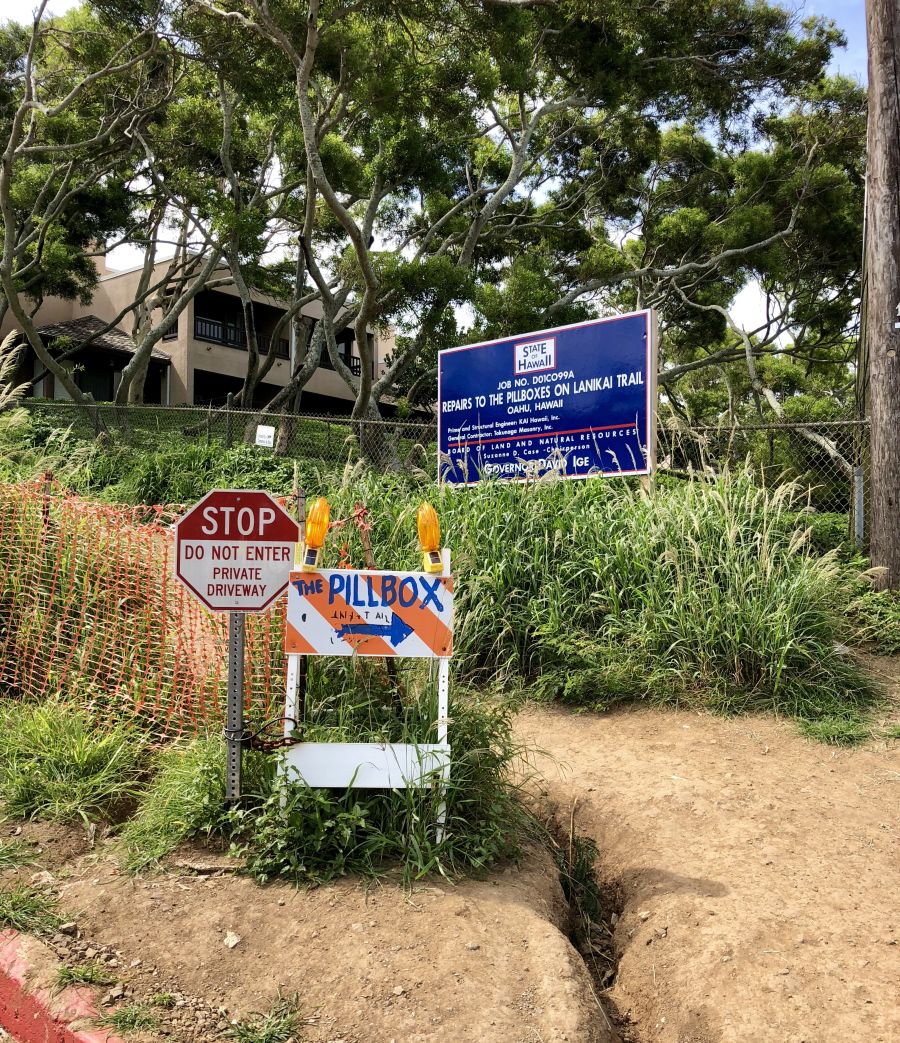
827,531
133,1017
875,617
576,858
165,1000
14,854
24,909
838,731
281,1024
146,463
298,833
185,799
59,762
92,973
715,593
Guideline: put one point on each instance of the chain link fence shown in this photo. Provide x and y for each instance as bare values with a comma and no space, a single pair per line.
396,444
826,460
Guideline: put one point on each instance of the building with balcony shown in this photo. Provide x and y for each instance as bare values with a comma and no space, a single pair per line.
199,362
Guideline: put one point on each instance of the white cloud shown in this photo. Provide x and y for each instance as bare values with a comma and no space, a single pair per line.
24,10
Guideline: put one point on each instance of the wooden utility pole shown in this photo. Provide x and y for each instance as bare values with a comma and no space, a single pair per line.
882,333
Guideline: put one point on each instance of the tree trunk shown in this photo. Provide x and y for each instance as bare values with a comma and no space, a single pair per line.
883,271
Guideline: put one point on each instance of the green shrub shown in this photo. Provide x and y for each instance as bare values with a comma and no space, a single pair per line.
826,531
58,762
875,618
299,833
186,799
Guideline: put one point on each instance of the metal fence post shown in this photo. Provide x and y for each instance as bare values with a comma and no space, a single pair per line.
229,405
234,713
859,506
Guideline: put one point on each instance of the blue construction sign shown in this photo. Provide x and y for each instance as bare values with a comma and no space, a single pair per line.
579,400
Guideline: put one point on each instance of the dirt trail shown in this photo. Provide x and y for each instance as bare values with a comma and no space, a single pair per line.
758,873
485,960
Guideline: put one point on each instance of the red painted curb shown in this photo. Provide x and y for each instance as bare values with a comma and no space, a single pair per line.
30,1010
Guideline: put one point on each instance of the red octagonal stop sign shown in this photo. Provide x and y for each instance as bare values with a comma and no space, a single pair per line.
234,550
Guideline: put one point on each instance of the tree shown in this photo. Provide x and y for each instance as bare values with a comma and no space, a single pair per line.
882,331
71,103
433,134
806,175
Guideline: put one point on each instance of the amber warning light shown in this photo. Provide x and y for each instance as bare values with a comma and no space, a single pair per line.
316,530
429,538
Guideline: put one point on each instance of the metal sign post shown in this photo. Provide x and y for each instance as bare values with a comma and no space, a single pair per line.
234,712
233,552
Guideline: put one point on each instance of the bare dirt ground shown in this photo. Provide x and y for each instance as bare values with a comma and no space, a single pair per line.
754,874
369,963
757,872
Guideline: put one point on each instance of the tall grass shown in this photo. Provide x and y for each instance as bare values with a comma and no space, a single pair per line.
24,909
593,592
289,831
186,799
299,833
58,762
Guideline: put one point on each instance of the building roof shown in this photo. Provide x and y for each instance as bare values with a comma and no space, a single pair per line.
87,326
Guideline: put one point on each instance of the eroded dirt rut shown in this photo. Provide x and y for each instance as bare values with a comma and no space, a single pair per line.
758,873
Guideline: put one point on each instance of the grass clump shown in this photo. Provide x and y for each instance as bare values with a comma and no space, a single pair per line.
84,974
290,831
164,1000
186,799
132,1018
875,618
837,731
57,762
24,909
279,1025
299,833
14,854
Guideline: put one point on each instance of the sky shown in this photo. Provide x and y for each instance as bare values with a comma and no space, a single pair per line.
851,61
849,15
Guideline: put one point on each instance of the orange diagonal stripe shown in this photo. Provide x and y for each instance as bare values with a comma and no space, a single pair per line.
295,643
427,627
365,644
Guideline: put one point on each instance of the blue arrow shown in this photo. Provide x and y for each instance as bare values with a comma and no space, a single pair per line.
395,632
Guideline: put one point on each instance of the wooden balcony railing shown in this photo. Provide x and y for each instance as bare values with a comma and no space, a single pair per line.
233,335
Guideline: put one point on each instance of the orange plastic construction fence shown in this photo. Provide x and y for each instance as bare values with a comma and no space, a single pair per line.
91,611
